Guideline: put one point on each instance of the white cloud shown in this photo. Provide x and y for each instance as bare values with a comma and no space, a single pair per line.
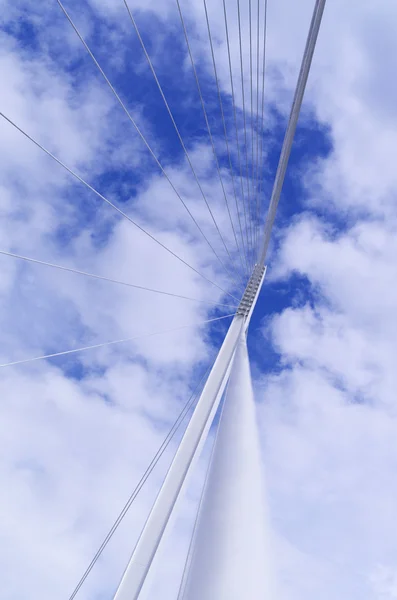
77,437
330,416
75,441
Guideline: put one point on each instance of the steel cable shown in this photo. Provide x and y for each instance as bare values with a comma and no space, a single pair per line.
103,344
143,137
178,132
102,278
261,166
225,133
189,404
205,115
245,127
237,135
123,214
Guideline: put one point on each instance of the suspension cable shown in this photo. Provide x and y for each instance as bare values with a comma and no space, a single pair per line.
143,138
103,344
102,278
225,134
245,124
167,440
236,128
205,116
177,130
257,131
252,122
123,214
261,166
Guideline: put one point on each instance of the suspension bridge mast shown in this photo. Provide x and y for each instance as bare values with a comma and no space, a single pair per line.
229,558
233,348
230,551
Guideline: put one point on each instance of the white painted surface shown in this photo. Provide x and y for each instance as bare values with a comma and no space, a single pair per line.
145,550
230,559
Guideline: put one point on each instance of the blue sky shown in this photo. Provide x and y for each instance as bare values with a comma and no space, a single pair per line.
78,432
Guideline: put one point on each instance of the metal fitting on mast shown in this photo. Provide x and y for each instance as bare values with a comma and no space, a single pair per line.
251,291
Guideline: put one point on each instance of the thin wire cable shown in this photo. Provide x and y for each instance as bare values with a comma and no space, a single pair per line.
103,344
144,139
261,166
252,119
123,214
102,278
205,116
225,134
178,132
167,440
245,124
257,129
237,135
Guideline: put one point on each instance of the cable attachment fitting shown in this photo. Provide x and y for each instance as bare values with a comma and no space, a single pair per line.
251,291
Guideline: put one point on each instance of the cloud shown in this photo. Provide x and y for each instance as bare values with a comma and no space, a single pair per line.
328,412
78,433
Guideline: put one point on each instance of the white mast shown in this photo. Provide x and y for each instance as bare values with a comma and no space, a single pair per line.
228,551
230,558
189,448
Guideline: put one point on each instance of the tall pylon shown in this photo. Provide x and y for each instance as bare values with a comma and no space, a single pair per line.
190,447
231,546
225,539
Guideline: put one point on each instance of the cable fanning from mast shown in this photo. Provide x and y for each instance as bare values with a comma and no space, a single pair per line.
143,138
257,131
225,132
245,125
237,135
102,278
252,122
123,214
179,134
103,344
205,114
261,166
167,440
